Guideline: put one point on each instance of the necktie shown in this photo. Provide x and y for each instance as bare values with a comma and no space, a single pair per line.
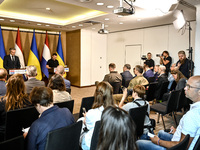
13,58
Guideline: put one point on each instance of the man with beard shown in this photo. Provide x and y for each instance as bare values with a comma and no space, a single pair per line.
184,65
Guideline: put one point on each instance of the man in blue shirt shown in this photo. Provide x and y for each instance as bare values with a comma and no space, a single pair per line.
51,118
189,123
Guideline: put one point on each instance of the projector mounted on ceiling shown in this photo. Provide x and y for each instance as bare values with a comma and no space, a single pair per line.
124,11
103,30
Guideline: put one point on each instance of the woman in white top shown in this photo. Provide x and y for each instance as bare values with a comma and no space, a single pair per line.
102,98
58,87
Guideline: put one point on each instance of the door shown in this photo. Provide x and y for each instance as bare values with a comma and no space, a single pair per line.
133,55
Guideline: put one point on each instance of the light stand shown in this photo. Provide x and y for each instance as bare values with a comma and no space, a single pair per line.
190,52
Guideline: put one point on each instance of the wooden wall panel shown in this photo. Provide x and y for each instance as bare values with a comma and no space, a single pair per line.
73,45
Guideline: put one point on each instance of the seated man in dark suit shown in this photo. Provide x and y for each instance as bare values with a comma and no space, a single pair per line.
148,72
11,61
126,75
3,78
161,78
31,73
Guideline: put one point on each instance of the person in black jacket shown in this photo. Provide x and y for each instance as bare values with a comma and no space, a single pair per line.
11,61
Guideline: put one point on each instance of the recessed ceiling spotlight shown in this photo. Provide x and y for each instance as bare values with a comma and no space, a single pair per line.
139,19
48,8
73,26
121,23
39,24
109,6
119,16
1,19
100,4
107,19
93,28
12,20
47,25
80,25
106,26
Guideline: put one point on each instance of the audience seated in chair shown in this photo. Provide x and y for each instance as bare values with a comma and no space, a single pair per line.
189,124
3,78
138,100
156,73
161,79
148,72
113,76
102,98
117,131
179,78
51,118
138,80
61,71
170,77
31,73
57,85
126,75
15,98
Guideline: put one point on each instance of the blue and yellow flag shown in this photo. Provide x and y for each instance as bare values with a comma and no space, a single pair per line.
60,57
33,58
2,49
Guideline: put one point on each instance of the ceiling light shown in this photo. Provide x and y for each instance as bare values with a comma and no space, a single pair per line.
80,25
139,19
48,8
106,26
107,19
110,6
73,26
121,23
39,24
100,4
103,30
12,20
47,25
93,28
119,16
1,19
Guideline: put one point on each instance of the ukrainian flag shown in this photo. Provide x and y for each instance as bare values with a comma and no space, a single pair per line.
60,57
33,58
2,49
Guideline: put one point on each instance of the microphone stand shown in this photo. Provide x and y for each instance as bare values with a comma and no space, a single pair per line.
190,52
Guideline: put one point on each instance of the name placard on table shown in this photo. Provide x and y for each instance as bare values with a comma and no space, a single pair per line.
65,69
14,71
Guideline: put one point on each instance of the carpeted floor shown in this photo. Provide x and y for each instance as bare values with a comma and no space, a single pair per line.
78,93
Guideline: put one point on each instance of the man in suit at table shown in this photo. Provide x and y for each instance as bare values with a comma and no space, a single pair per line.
31,73
11,61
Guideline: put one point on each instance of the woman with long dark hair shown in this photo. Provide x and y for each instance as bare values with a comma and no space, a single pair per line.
102,99
117,130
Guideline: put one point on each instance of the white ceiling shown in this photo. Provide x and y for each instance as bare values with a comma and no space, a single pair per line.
65,9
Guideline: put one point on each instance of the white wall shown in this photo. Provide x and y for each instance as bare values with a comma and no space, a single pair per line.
154,40
93,57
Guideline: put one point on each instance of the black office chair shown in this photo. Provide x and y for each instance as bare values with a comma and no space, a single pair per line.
67,104
18,119
182,145
173,86
68,90
151,79
87,103
168,108
12,144
164,88
150,92
127,83
116,87
138,115
66,138
197,145
95,136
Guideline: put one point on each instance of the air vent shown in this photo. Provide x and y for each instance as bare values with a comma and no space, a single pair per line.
85,1
93,22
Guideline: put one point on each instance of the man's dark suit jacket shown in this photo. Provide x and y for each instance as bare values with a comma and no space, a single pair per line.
9,64
162,78
126,75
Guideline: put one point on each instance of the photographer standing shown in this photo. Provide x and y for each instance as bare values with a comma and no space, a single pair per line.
166,60
149,61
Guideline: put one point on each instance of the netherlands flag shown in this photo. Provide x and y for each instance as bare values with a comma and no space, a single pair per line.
18,48
45,57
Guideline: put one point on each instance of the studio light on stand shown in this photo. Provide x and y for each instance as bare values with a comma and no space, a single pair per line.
181,24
